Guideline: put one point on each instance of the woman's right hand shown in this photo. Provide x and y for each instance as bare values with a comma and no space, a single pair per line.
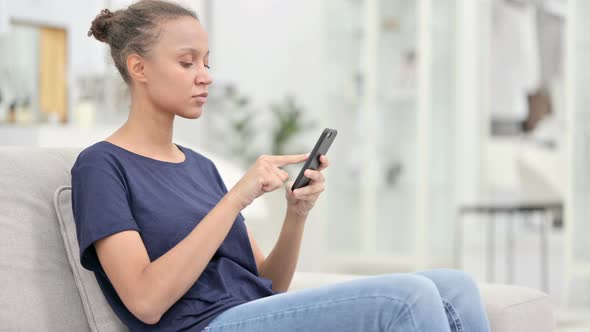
264,176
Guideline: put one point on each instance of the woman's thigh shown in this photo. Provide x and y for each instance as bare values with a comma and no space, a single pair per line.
391,302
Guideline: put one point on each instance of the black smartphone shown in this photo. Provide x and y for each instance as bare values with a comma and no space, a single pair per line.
313,162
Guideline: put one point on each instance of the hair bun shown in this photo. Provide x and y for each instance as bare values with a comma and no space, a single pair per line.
101,25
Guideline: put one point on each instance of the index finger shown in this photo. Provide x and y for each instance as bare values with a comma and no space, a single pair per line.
289,159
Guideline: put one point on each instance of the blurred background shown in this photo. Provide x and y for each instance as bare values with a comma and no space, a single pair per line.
463,134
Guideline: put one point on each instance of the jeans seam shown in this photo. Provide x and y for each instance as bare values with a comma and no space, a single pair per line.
453,315
410,312
302,308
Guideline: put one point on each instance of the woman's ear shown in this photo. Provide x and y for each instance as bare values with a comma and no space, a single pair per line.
136,68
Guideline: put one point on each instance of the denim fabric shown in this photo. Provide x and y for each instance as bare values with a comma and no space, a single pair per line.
433,301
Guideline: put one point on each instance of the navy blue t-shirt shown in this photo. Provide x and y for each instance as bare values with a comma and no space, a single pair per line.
114,189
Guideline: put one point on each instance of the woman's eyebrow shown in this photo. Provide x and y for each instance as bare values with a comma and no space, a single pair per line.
192,50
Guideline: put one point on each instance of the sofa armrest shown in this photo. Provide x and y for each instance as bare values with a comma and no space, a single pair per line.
516,308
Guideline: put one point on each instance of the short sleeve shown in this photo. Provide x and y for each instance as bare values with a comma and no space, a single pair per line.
221,184
218,178
101,208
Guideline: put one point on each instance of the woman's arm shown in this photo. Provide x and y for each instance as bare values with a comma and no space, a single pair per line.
282,261
149,289
280,264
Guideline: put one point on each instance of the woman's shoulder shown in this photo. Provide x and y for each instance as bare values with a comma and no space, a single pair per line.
200,158
97,155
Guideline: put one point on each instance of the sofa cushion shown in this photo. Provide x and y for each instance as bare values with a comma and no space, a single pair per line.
101,317
38,292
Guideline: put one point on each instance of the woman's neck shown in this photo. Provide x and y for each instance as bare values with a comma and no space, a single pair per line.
147,130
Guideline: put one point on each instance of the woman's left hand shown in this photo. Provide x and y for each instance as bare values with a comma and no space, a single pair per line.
302,200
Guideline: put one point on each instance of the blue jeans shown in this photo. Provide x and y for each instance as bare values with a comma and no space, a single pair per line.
433,301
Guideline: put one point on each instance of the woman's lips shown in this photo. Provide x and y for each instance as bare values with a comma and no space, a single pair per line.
202,98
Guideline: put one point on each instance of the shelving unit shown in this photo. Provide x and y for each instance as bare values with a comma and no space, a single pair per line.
393,210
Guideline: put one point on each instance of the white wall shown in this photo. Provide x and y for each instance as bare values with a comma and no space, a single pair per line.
269,47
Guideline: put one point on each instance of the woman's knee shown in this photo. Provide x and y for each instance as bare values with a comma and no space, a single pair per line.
461,278
398,301
407,288
452,282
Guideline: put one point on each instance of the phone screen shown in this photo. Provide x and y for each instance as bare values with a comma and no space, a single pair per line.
313,162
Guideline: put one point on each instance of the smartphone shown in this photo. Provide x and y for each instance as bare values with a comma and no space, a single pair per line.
313,161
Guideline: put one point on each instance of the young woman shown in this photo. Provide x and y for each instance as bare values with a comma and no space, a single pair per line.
166,239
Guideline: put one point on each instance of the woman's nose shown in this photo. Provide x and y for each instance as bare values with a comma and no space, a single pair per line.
204,77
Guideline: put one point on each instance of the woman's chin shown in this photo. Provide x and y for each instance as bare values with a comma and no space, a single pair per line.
192,113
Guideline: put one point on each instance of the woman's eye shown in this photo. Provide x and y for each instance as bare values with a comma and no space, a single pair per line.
190,64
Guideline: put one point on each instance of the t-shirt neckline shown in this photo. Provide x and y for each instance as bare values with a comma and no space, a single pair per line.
152,160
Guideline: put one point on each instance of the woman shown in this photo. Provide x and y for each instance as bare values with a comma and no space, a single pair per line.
166,238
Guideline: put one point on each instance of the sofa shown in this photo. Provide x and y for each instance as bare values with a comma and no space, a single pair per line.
41,287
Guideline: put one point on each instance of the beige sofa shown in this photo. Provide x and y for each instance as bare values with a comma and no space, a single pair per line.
41,291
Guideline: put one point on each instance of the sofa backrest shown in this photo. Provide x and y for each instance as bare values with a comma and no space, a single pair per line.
38,291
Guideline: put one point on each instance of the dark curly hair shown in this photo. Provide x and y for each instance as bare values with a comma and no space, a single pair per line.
134,29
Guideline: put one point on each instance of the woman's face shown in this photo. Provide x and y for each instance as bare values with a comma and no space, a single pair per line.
176,69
